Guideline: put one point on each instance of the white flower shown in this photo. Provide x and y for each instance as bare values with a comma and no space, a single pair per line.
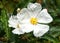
15,23
33,17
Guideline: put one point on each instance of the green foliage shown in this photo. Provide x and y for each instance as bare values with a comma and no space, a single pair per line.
9,6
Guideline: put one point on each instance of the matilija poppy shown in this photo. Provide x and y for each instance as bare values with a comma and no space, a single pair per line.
35,19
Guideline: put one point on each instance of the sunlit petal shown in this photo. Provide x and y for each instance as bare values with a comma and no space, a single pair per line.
40,30
17,31
34,8
28,28
44,17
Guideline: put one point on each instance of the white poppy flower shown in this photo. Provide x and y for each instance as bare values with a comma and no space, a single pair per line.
15,23
33,16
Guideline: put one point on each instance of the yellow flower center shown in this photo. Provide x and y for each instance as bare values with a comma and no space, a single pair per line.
33,21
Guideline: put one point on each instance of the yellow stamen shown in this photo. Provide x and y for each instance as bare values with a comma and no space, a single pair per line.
18,26
33,21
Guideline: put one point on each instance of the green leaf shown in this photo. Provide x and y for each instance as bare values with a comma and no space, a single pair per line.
55,31
4,19
50,38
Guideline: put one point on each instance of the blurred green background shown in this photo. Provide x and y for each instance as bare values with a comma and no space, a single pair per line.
9,7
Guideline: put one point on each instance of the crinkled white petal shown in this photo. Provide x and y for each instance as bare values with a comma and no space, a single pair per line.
31,6
13,18
20,16
44,17
24,14
13,21
40,30
34,8
26,21
17,31
28,28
